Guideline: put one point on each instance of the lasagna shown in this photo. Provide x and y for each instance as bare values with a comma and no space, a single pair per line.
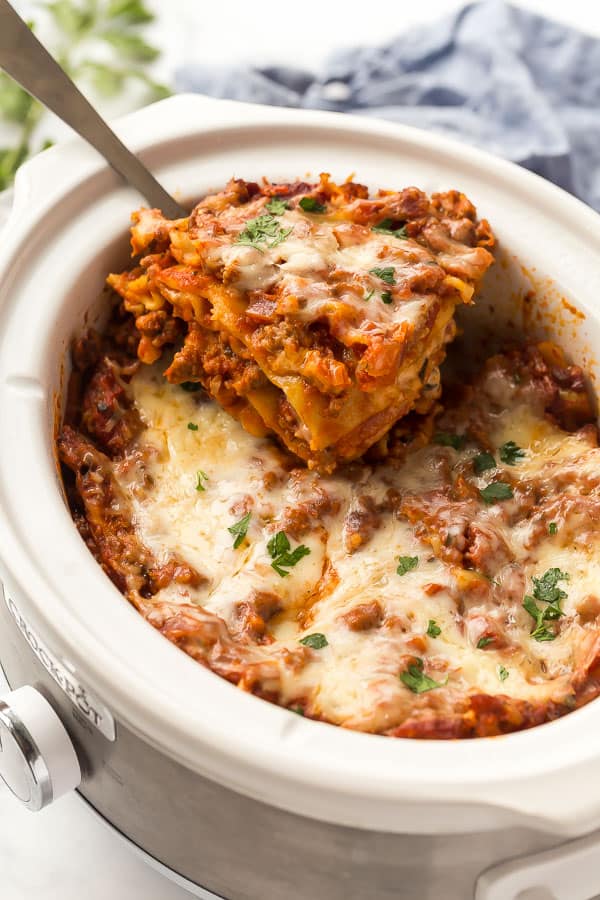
313,312
445,585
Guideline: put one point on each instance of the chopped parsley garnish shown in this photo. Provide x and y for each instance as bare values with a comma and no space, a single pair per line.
433,629
298,710
503,673
263,230
311,204
552,528
201,476
482,462
192,426
279,549
386,274
240,530
497,490
386,226
416,681
276,206
190,386
386,297
446,439
545,590
315,641
368,296
483,642
511,453
407,564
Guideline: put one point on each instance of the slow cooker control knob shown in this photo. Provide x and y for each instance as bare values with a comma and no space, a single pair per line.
37,759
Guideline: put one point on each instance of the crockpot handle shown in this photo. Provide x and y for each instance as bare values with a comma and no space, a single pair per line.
37,760
568,872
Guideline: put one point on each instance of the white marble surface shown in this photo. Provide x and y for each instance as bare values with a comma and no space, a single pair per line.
63,853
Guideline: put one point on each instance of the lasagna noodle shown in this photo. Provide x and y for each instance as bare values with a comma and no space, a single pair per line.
344,307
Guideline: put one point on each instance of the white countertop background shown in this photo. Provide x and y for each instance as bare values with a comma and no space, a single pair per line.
63,853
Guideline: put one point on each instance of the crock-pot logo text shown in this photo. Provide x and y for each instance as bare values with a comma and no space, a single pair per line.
89,707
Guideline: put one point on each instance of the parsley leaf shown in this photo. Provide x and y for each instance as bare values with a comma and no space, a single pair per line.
407,564
315,641
192,426
240,530
386,226
433,629
386,274
483,642
311,204
386,297
445,439
201,476
552,528
497,490
545,590
276,206
511,453
279,550
482,462
263,230
503,673
368,296
416,681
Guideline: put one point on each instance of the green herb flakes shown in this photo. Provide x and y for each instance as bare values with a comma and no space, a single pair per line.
315,641
503,673
276,206
264,229
416,681
482,462
200,477
312,205
483,642
386,274
386,226
284,558
192,426
407,564
368,296
552,528
511,453
446,439
386,297
497,490
545,590
240,530
433,629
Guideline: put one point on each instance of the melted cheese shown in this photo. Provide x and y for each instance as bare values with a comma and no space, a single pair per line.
354,679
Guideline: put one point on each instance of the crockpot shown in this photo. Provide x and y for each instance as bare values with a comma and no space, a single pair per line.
233,796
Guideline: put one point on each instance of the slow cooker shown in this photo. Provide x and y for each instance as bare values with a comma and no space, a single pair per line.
230,795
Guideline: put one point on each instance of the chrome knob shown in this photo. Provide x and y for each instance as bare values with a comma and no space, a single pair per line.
37,760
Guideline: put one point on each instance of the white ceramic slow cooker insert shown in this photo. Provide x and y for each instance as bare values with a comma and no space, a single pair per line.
530,790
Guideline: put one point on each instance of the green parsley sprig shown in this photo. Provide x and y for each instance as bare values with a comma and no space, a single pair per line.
284,558
240,530
545,590
416,681
264,229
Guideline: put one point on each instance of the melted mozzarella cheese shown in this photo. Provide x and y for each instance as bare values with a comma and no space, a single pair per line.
354,680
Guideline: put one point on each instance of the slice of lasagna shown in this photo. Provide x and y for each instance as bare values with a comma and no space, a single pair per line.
312,312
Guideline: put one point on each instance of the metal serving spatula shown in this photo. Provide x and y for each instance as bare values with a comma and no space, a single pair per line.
26,60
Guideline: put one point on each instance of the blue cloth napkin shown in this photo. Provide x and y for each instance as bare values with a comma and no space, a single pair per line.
517,84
